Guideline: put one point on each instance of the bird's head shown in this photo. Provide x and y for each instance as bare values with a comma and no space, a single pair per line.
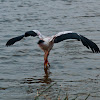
40,42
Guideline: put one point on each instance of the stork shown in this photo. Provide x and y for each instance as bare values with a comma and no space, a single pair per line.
47,43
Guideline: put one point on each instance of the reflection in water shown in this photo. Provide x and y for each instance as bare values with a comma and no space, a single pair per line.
45,78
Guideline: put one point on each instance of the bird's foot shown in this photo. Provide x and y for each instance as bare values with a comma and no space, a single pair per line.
46,68
46,64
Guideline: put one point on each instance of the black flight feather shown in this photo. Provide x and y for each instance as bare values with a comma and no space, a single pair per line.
13,40
16,39
30,33
86,42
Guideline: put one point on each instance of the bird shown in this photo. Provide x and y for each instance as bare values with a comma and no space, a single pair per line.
46,43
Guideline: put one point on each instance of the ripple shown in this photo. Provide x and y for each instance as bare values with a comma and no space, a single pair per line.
74,68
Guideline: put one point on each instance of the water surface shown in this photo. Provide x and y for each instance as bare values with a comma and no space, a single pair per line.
74,68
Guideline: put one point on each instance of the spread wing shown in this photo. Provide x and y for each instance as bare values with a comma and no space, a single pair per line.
71,35
28,33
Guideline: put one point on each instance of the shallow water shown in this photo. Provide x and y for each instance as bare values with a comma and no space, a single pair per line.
74,68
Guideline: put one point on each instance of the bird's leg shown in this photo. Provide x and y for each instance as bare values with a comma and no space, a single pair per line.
46,63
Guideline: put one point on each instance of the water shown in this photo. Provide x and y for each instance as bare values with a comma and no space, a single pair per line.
74,68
